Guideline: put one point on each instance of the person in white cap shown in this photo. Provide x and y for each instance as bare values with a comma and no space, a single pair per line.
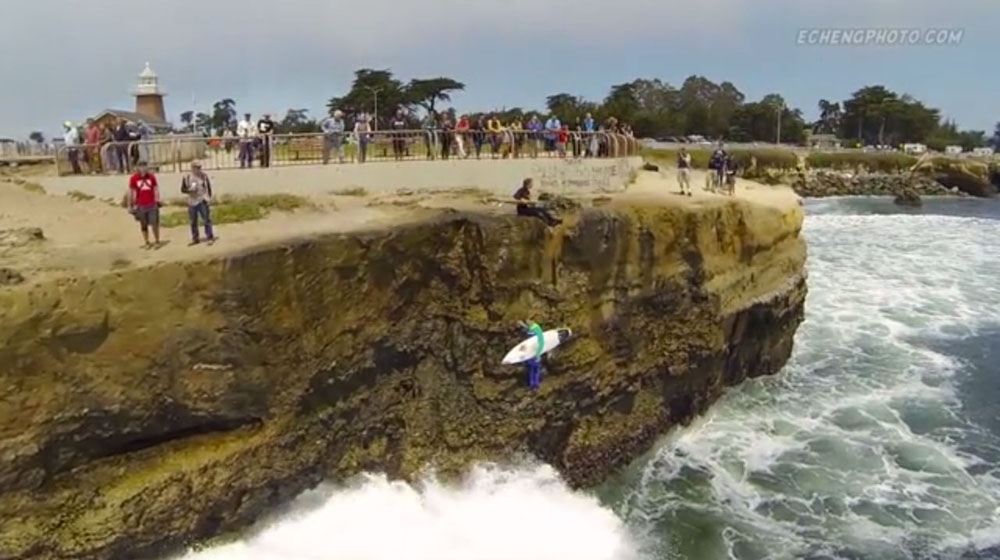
333,136
71,137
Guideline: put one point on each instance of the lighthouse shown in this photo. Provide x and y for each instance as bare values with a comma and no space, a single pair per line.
149,96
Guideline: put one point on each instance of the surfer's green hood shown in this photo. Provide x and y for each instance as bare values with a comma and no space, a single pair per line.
536,329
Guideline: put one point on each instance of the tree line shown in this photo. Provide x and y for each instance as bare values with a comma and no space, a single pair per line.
873,115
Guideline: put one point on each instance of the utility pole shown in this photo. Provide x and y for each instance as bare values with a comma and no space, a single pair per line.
374,91
777,135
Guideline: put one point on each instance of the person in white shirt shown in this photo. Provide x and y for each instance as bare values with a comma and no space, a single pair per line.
246,130
362,132
71,137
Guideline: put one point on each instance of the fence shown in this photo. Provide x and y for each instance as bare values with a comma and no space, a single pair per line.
176,153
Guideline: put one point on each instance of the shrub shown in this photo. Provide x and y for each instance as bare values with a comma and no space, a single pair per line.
78,195
230,209
885,162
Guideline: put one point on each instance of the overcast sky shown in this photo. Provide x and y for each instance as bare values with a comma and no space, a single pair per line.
68,59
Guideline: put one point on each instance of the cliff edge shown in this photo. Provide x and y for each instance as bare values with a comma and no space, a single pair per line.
148,408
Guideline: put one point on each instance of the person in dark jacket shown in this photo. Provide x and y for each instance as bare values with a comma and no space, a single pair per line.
523,194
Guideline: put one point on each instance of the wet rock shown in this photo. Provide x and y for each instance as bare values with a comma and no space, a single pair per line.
320,358
10,277
558,201
908,197
19,237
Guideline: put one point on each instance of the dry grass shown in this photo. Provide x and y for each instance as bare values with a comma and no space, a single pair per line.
350,191
79,196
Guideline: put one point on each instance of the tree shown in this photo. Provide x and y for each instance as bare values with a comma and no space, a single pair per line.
996,136
568,108
202,123
829,118
296,121
429,91
361,98
37,137
223,114
187,117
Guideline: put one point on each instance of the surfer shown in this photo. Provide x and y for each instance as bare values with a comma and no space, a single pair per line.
534,364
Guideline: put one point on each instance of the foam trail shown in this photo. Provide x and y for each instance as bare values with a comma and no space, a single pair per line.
495,514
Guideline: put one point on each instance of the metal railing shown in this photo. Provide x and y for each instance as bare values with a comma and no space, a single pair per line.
177,152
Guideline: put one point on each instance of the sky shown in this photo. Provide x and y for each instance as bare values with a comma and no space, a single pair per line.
69,59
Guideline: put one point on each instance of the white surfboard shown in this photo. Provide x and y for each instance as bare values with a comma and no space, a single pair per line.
527,348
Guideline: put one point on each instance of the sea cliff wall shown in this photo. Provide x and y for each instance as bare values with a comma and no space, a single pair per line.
146,409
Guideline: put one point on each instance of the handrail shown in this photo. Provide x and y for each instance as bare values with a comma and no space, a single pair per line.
176,152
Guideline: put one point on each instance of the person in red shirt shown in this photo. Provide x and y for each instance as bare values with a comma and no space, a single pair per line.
144,203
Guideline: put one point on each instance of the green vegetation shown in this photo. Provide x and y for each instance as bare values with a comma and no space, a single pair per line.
352,191
769,158
80,196
230,209
884,162
32,187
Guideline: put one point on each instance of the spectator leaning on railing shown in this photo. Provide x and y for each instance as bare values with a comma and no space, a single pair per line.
71,138
265,131
246,131
333,136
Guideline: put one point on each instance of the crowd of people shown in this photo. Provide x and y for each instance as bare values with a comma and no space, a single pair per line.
105,148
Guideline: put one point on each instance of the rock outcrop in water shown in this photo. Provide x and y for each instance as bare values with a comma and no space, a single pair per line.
145,409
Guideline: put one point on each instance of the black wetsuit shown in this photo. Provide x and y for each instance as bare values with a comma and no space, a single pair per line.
533,211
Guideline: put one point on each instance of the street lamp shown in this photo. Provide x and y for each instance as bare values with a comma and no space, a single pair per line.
781,108
374,91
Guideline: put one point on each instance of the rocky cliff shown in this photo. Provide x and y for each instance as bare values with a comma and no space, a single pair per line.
145,409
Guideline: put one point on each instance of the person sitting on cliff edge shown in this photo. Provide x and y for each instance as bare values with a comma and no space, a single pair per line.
525,209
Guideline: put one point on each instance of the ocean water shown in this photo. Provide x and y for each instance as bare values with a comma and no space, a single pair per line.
880,439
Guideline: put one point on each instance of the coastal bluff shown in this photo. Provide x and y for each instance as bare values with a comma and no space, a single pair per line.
150,407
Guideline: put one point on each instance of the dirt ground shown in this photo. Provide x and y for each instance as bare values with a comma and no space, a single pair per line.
98,236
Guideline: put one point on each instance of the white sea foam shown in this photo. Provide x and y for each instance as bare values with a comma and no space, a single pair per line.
496,513
855,447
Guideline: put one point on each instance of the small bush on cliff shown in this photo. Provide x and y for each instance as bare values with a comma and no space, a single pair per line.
231,209
887,162
79,196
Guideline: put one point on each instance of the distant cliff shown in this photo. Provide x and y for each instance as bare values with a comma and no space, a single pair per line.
145,409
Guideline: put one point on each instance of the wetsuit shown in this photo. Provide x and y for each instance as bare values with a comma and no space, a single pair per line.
535,364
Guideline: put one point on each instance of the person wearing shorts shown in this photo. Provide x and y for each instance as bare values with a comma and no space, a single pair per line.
144,203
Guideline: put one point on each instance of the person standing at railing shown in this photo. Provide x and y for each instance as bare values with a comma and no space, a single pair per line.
333,136
71,138
447,132
265,131
398,125
462,135
246,132
430,127
107,149
479,135
590,127
362,133
516,132
552,127
92,143
535,133
495,128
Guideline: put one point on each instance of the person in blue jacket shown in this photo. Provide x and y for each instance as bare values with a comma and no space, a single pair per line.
534,364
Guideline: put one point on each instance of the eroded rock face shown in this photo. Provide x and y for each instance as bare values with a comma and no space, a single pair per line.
831,183
150,408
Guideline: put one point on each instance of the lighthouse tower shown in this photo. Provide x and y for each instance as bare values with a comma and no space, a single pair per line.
149,96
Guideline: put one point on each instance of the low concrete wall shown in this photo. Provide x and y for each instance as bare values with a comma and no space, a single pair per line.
499,176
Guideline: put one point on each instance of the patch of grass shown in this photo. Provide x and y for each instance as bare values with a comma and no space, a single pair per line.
763,158
33,187
232,209
886,162
351,191
79,195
